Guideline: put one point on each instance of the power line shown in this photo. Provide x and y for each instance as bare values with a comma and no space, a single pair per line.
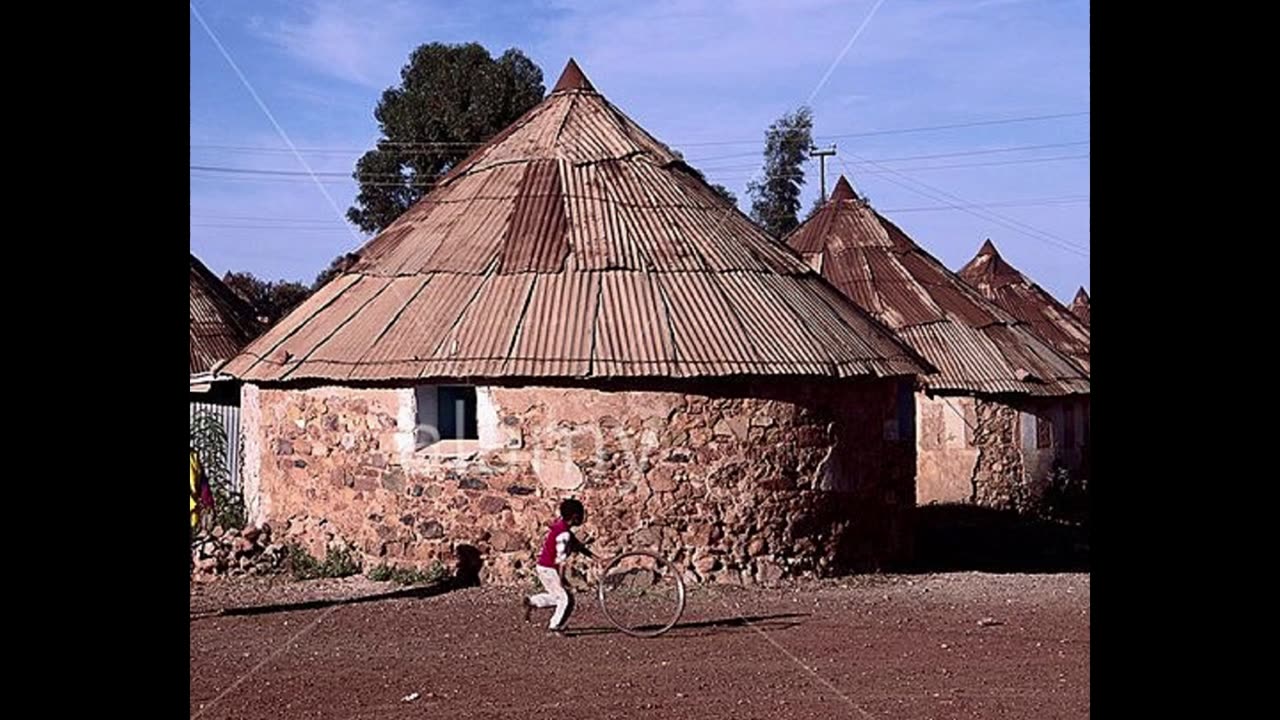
252,171
1011,203
260,218
408,181
957,126
226,226
265,111
901,131
966,207
953,166
710,143
966,153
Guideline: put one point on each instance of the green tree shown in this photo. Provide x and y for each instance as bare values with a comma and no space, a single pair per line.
270,300
725,193
451,98
338,266
775,199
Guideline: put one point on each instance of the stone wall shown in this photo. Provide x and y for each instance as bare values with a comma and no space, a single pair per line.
735,482
993,453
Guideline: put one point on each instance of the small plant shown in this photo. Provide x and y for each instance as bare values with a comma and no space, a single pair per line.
408,576
338,563
209,440
1066,497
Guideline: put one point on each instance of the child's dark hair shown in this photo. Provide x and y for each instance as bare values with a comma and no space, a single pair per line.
572,508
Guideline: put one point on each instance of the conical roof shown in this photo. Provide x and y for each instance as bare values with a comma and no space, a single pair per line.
1080,306
976,346
1004,285
221,323
573,244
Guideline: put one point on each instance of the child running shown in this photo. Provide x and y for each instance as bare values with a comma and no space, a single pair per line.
556,548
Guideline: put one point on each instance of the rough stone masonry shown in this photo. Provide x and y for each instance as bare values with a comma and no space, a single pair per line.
735,482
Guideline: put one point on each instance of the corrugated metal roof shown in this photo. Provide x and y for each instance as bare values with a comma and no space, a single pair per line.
1004,285
221,323
976,346
1080,306
574,245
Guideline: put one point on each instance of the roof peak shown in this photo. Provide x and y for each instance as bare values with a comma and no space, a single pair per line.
989,248
572,78
843,190
1082,295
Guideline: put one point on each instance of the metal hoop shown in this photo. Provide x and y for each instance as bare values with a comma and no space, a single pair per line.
662,562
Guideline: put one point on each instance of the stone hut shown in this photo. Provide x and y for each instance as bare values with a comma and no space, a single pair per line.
221,324
1006,286
984,421
573,311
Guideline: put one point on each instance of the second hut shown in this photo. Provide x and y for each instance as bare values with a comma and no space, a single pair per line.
984,422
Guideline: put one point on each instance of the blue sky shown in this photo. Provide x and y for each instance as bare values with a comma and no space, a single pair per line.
705,77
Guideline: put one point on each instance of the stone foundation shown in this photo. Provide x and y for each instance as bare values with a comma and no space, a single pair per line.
997,454
736,483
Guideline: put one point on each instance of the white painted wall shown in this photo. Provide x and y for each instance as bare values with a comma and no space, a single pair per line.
256,506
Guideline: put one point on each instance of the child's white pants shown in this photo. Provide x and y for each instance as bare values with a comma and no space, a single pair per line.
555,596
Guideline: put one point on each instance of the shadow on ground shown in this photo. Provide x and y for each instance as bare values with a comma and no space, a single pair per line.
956,538
424,591
763,623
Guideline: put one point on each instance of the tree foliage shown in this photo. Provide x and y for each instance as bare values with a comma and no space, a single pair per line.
270,300
451,98
725,193
338,266
775,199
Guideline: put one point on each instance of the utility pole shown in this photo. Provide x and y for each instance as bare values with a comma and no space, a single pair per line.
822,163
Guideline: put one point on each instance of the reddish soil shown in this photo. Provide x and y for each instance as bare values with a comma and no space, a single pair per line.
939,646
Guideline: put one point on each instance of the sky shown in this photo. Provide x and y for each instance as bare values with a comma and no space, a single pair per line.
959,120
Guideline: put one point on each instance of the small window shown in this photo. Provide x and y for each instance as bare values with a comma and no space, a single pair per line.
445,412
906,402
1044,432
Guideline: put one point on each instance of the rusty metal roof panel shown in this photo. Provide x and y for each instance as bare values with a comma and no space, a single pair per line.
592,133
296,354
899,293
632,331
532,137
261,359
865,349
472,232
1080,306
598,234
1007,287
785,343
537,235
709,338
418,329
332,357
480,341
221,322
975,345
555,337
576,245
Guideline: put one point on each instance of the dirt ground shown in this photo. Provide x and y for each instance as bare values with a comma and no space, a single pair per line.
962,645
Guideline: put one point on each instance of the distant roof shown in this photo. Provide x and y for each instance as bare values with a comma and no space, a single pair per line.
573,244
976,346
221,323
1004,285
1080,306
